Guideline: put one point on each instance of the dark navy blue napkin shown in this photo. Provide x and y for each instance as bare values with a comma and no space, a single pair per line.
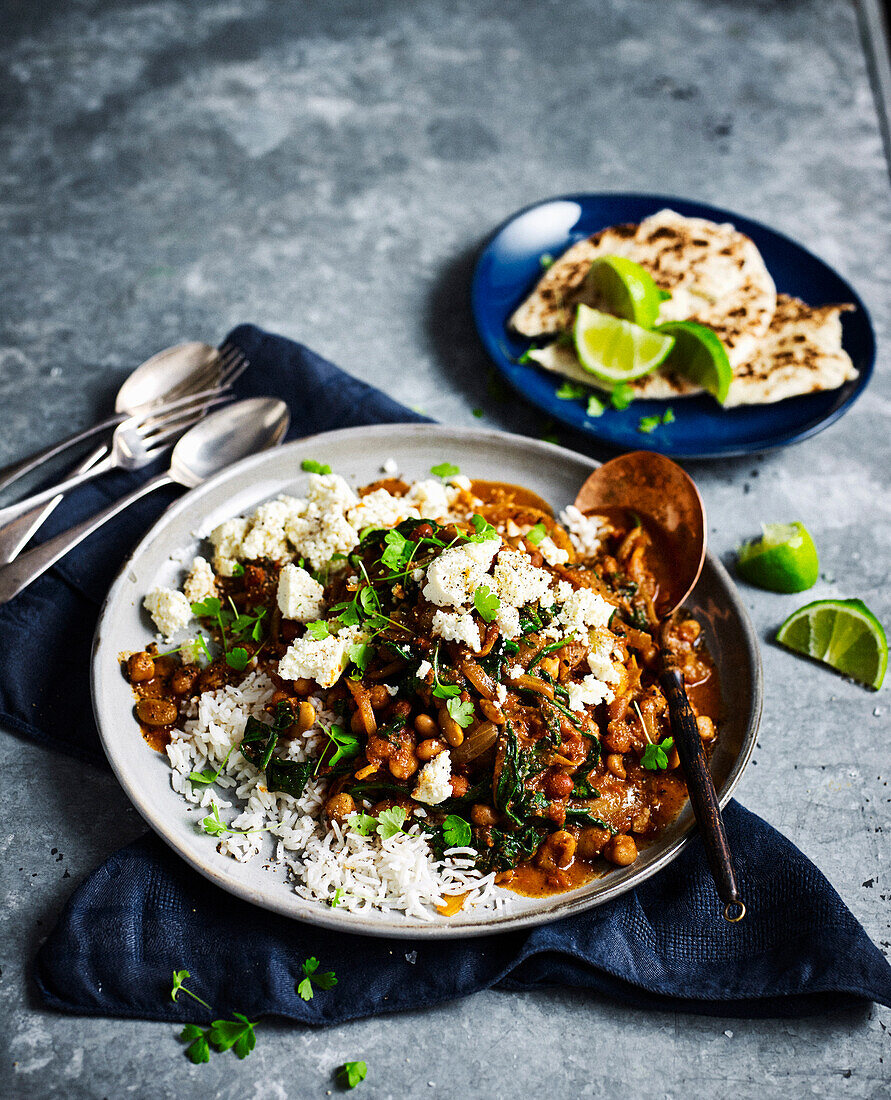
144,913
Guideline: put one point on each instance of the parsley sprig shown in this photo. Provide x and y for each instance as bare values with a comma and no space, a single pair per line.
214,826
351,1073
387,824
311,977
655,757
237,1034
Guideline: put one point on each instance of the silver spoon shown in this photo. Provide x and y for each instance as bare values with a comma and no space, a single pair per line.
224,437
174,372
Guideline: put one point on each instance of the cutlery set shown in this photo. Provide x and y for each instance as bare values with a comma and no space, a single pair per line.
164,404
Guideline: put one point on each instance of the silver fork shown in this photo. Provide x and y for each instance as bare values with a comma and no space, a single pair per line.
138,441
27,516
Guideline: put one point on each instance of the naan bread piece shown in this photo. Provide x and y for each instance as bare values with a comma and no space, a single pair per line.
714,273
801,353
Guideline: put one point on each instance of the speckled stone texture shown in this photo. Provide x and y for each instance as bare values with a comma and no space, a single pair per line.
328,171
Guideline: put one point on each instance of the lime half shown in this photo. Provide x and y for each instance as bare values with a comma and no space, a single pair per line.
784,559
622,287
699,355
841,633
616,351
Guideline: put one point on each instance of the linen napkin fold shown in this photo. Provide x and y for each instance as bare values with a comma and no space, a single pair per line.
144,913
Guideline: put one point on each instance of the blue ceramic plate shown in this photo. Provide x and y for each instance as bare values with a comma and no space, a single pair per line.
510,265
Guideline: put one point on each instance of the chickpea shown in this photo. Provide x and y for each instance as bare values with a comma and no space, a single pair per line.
183,679
689,630
483,815
706,727
303,686
426,726
591,842
279,696
403,765
428,749
460,786
558,785
140,667
340,806
156,712
558,851
621,850
641,820
618,708
615,765
618,737
378,696
306,716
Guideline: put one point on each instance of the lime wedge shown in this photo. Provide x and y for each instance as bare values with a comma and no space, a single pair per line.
843,634
616,351
699,355
622,287
784,559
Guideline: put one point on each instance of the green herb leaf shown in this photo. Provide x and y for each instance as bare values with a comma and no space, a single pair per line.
214,826
337,899
398,550
595,406
198,1050
238,569
486,603
445,469
207,608
351,1073
209,776
462,713
364,824
536,534
361,653
179,977
237,1035
484,530
390,822
238,658
668,416
648,424
456,832
570,391
346,744
304,990
311,977
622,396
655,757
312,467
546,260
318,629
478,413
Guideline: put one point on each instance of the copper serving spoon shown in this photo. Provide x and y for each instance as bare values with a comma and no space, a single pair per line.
657,489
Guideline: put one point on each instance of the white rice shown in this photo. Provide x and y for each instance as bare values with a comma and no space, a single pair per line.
330,865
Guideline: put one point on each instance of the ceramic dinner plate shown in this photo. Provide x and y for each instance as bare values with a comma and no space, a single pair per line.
357,454
510,266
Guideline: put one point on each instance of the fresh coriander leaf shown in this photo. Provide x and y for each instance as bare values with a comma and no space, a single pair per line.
310,466
208,776
198,1050
655,757
445,469
390,822
360,653
478,413
595,406
648,424
207,608
346,745
536,534
668,416
622,396
462,713
304,990
456,832
570,391
546,260
179,976
398,550
318,629
351,1073
364,824
526,357
328,980
216,827
237,1034
368,600
486,603
484,530
311,977
337,899
238,658
310,966
238,569
445,691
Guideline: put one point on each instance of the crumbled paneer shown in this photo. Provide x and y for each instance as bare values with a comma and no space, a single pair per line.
588,693
461,481
320,659
584,531
300,596
518,581
483,552
423,670
454,576
508,622
500,693
434,784
329,493
599,657
515,672
563,591
380,509
390,467
227,544
392,690
266,536
551,552
201,582
585,610
169,609
458,626
320,528
430,498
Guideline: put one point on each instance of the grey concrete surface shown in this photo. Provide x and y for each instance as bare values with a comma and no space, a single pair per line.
327,170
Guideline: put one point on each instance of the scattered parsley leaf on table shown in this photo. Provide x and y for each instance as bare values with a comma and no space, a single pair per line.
351,1073
310,466
237,1034
487,603
478,413
546,260
311,977
179,977
198,1049
655,757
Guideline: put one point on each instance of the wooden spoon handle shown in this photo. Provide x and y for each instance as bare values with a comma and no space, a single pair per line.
703,796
